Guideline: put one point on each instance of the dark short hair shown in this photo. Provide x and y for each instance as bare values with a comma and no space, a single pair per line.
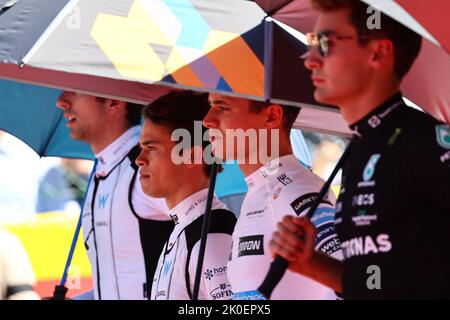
290,113
179,109
133,113
406,42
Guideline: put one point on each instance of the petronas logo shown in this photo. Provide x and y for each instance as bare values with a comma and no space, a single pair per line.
443,135
369,170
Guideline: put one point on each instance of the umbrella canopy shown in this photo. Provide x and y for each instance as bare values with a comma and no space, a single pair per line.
137,49
29,113
426,85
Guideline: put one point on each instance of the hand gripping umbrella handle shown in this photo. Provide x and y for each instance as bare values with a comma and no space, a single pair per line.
279,265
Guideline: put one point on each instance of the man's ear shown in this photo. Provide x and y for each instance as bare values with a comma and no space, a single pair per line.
115,105
274,116
382,53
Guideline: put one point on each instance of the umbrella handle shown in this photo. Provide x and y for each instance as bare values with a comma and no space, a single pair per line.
279,266
60,290
205,230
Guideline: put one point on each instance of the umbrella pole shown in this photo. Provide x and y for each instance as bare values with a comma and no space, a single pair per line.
61,290
279,265
205,230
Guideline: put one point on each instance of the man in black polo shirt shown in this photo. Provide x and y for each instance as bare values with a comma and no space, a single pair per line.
393,212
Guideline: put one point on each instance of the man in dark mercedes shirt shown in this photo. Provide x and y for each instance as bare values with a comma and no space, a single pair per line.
393,211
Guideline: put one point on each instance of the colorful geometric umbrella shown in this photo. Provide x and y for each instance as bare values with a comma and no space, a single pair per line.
136,49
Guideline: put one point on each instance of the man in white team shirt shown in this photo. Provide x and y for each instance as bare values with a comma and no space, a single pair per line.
124,230
278,185
168,170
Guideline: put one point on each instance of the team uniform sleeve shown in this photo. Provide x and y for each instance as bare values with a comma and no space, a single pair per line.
214,284
429,155
327,241
147,207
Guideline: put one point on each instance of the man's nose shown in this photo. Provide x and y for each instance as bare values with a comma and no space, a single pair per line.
210,121
313,60
140,160
62,102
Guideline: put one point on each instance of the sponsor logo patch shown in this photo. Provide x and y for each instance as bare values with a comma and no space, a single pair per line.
325,232
374,121
222,291
249,295
284,179
251,246
256,213
369,169
363,219
166,268
103,198
322,215
330,247
361,246
445,157
276,193
366,199
443,135
306,201
174,218
214,272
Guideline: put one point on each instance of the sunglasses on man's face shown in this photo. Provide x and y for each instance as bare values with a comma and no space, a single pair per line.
324,40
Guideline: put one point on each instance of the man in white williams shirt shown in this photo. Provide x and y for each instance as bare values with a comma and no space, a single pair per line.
124,230
179,173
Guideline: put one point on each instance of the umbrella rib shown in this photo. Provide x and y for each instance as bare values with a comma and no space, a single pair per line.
279,7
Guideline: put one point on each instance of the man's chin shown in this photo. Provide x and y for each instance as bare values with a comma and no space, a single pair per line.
322,96
74,135
151,192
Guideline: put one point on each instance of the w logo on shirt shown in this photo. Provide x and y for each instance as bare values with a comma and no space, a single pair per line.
102,200
166,267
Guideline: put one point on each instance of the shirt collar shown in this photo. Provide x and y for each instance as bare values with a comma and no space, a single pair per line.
377,117
117,150
192,207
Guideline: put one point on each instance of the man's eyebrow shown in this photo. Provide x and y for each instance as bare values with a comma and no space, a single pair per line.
147,142
219,101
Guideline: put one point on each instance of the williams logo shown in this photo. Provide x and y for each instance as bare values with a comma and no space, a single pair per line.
166,268
443,135
369,170
251,246
102,200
